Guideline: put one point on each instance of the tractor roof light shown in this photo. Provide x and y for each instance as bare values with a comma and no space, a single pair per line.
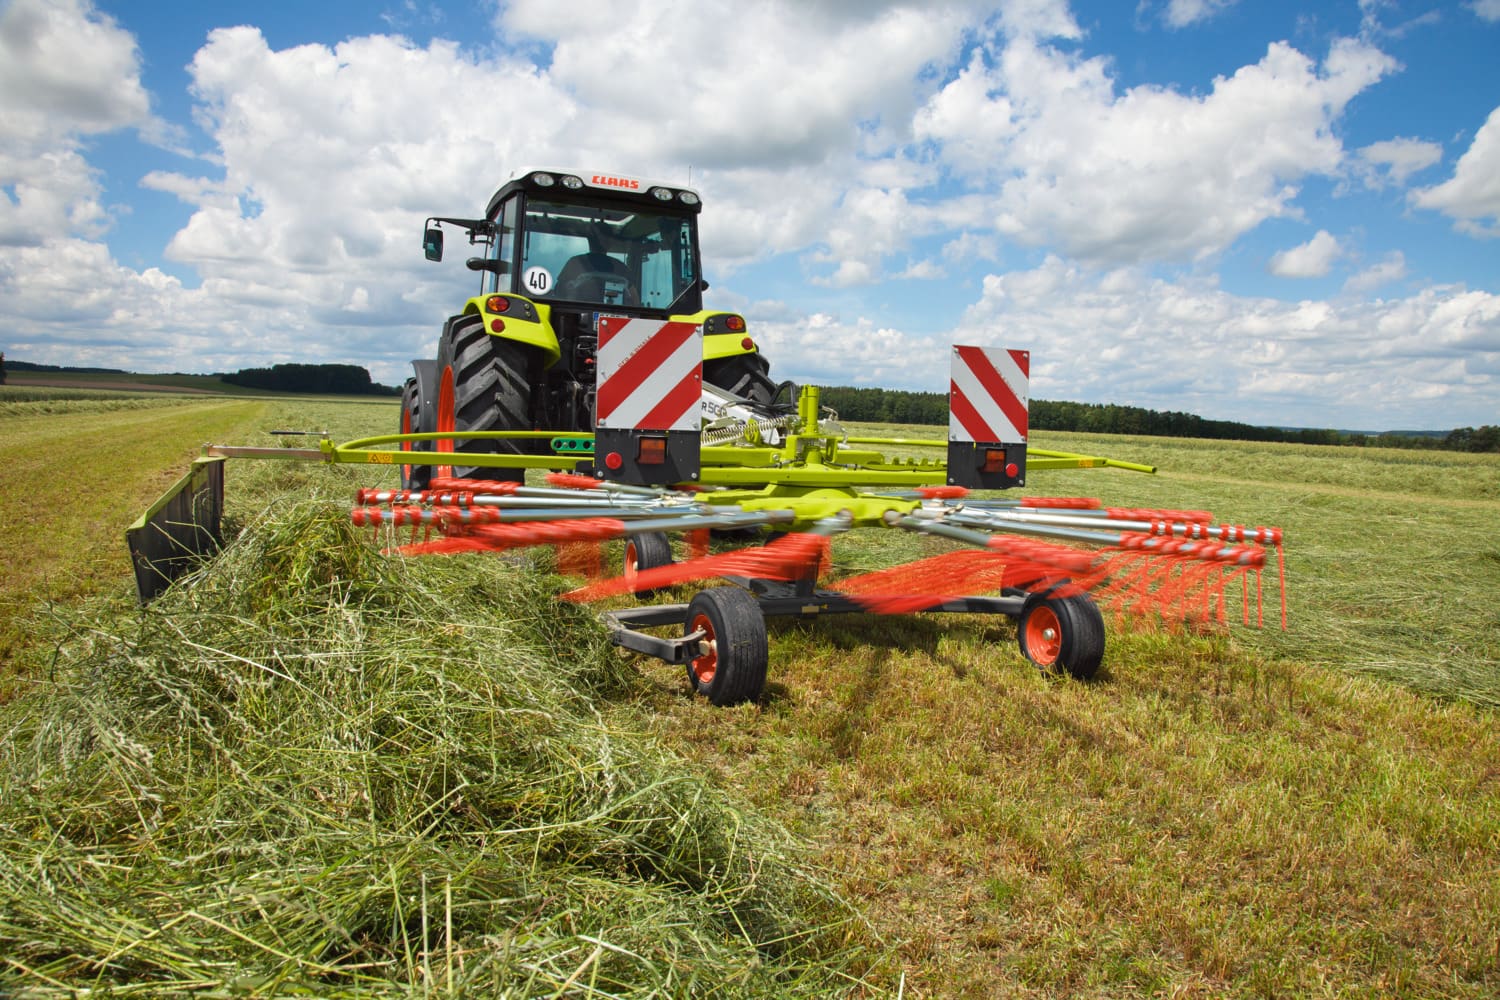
687,197
572,183
543,180
661,194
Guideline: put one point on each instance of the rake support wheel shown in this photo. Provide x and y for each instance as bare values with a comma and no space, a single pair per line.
1062,633
731,665
646,551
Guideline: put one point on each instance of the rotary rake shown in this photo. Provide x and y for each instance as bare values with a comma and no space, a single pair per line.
655,470
1049,563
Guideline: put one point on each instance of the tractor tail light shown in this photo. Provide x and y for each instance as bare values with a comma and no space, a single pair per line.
651,451
994,460
497,304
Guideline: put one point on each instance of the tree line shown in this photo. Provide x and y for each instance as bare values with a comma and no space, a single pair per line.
896,406
333,380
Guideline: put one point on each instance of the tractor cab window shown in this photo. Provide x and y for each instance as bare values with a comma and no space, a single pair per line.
505,244
606,256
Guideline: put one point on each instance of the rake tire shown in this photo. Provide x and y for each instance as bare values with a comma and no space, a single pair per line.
646,551
490,391
733,669
1062,633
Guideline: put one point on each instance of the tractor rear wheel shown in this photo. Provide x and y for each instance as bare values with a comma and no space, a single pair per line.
646,551
485,385
730,667
745,375
1062,633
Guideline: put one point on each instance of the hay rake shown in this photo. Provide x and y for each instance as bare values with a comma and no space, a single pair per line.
1048,563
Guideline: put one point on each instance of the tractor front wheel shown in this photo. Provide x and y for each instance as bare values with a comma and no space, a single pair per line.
419,416
1062,633
409,426
485,386
730,667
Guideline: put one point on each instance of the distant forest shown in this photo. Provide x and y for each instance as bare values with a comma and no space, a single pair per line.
331,380
901,407
337,380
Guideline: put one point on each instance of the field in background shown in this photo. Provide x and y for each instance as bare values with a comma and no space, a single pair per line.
113,382
1264,813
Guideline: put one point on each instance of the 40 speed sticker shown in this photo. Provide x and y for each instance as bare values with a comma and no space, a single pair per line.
538,280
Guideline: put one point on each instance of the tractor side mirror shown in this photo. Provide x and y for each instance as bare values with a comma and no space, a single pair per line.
432,243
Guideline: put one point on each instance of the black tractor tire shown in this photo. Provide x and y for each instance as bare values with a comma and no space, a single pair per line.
746,375
419,416
732,667
486,380
646,551
413,477
1062,633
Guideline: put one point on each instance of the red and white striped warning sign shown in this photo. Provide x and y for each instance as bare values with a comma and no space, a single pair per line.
650,375
988,395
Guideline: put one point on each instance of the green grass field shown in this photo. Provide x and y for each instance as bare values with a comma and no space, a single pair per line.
1258,813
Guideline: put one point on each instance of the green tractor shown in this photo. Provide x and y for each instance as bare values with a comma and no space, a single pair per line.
560,251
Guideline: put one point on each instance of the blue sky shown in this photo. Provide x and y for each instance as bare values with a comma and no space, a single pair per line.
1260,211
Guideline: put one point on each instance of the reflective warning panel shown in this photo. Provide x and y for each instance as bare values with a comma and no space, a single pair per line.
650,400
987,417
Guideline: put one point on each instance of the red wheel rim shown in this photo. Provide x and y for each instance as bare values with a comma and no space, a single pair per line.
1043,635
445,420
406,445
632,564
704,667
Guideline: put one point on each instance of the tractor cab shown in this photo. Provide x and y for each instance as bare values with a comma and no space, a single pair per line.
595,242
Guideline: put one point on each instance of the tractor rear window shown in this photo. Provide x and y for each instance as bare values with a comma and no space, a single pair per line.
606,256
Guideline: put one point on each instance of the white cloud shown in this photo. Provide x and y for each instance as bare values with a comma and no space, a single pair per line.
1101,337
1312,259
847,144
50,99
1472,195
1181,13
1400,158
1488,10
1391,268
48,93
1147,174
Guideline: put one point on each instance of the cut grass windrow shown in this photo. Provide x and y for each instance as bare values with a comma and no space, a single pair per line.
314,770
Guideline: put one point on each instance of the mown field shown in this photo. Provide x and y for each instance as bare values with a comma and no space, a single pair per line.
190,794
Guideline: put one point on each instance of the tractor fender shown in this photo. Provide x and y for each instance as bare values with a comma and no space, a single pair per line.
520,319
724,334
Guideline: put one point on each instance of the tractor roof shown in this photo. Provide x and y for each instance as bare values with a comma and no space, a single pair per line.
564,184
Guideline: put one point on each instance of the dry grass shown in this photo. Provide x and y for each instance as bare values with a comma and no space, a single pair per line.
1252,814
314,771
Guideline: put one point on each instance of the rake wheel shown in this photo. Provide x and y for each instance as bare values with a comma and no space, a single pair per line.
646,551
731,665
1062,633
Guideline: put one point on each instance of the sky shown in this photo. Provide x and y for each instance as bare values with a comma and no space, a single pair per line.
1272,212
